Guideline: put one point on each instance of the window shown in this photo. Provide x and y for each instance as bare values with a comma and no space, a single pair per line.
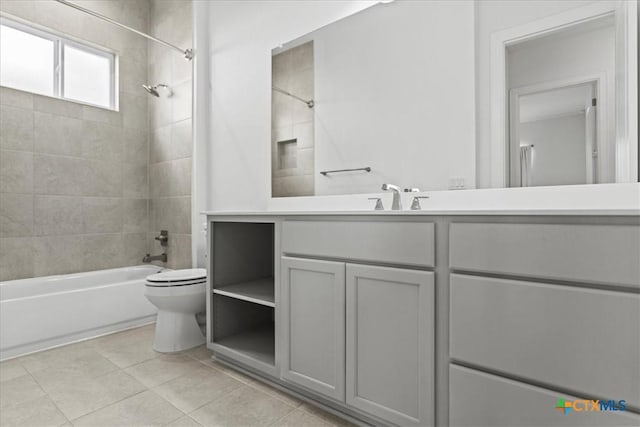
44,63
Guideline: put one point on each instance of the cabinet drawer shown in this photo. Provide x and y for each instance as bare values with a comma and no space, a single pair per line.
585,253
406,243
480,399
586,340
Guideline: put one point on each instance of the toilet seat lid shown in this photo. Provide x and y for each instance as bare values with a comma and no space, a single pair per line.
186,275
181,283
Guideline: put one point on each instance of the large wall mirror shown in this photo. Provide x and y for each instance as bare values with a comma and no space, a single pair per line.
395,93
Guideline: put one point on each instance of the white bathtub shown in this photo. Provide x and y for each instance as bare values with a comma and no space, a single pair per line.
49,311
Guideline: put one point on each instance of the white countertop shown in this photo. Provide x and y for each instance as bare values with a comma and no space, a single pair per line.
592,200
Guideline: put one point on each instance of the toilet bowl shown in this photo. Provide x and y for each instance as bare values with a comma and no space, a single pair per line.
179,296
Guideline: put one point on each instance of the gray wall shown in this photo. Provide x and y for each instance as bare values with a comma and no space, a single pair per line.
73,178
170,131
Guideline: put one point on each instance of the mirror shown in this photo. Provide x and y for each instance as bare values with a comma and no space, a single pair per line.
455,95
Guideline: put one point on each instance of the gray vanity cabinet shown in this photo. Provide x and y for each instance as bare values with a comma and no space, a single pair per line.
390,339
313,304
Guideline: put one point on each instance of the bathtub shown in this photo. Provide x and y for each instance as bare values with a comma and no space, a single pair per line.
44,312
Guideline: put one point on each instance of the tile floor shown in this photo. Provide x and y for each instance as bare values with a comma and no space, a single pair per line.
118,380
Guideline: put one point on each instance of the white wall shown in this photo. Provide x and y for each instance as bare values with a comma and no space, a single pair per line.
493,16
559,152
394,86
589,53
242,35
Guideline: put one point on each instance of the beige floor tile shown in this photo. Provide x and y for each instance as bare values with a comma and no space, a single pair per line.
19,390
190,392
144,409
60,357
227,370
245,406
200,353
80,396
131,337
129,354
184,422
300,418
327,417
11,369
36,412
164,368
285,397
86,365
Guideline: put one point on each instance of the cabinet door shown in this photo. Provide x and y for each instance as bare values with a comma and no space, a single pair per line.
314,309
390,343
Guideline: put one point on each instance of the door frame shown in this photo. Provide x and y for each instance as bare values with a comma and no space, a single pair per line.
599,80
626,58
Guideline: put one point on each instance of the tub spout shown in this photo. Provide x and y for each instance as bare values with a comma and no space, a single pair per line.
148,258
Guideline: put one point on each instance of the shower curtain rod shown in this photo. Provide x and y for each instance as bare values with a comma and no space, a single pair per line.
188,53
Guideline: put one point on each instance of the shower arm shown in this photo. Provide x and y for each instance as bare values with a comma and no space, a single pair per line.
309,103
187,53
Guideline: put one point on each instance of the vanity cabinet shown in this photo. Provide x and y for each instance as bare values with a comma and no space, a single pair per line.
386,318
313,301
390,343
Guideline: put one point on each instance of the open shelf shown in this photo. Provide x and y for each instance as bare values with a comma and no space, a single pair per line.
260,291
258,344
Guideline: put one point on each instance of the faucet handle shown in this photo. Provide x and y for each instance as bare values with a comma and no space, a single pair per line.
415,205
379,206
163,238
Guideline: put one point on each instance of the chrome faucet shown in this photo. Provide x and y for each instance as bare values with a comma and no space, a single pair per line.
148,258
397,200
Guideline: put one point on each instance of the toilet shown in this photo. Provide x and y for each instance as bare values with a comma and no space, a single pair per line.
179,295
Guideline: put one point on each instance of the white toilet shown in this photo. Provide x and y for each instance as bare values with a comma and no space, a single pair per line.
179,296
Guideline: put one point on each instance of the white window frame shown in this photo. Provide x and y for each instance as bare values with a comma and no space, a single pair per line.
59,43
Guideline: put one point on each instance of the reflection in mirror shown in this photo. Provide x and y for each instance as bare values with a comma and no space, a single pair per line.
560,116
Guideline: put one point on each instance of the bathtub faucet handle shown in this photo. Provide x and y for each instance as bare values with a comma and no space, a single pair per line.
163,238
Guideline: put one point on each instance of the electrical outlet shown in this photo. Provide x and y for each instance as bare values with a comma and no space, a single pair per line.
456,183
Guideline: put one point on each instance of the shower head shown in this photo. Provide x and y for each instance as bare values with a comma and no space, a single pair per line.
153,89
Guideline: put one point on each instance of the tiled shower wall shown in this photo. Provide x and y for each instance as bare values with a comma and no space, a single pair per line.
74,178
170,131
292,132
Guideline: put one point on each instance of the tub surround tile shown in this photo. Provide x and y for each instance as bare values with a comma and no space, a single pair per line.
57,215
16,258
40,412
134,248
16,215
58,107
146,409
161,144
181,100
134,110
135,147
55,134
16,171
102,215
15,97
101,251
132,73
244,406
181,139
179,253
17,128
58,175
135,215
102,115
134,180
101,141
57,254
102,179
